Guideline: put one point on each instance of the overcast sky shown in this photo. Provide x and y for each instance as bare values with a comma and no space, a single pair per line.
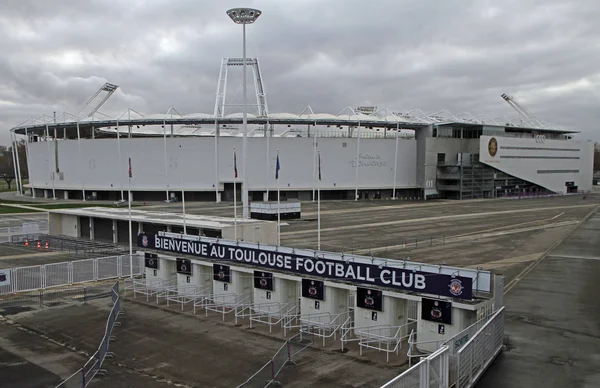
459,55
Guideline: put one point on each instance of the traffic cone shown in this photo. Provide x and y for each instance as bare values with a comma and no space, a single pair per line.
39,245
26,242
47,246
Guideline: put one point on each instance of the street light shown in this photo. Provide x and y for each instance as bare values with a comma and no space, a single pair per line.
244,16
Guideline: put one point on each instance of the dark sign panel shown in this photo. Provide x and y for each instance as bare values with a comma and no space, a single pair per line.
151,260
356,272
436,311
222,273
313,289
263,280
369,299
184,266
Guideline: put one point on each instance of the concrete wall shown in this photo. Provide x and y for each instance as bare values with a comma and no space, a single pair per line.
264,233
201,277
549,164
449,146
336,302
428,330
241,283
190,163
167,272
393,314
284,291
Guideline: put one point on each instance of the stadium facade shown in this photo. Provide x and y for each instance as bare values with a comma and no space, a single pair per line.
364,152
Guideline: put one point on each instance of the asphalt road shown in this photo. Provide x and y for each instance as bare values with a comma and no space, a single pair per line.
552,324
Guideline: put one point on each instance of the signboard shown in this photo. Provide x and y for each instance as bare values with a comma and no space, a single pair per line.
222,273
263,280
436,311
356,272
4,277
184,266
369,299
151,260
313,289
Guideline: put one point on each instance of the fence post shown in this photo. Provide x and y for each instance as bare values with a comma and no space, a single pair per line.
289,351
41,297
84,295
272,370
83,377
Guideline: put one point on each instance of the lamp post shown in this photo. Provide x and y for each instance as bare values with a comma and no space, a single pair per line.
244,16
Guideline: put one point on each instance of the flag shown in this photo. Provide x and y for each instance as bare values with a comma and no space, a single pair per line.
130,170
235,175
319,166
277,168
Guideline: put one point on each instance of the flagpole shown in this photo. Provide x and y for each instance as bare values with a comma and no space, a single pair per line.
395,163
313,164
278,202
183,204
130,228
319,204
234,196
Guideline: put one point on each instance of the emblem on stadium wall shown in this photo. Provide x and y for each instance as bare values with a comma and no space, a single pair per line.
493,146
145,241
456,287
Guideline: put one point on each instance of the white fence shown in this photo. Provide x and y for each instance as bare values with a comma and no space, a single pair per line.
69,272
466,357
430,372
478,353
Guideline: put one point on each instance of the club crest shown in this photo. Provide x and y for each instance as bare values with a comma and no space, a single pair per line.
456,287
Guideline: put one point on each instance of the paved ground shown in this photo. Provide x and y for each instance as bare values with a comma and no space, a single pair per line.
553,320
503,235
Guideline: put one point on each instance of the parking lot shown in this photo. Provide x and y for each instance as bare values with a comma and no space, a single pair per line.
157,348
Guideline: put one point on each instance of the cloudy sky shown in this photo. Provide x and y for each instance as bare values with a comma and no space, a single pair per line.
459,55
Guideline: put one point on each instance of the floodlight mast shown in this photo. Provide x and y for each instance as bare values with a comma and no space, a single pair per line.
244,16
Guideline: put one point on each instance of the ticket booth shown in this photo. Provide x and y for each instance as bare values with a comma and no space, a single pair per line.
376,308
159,270
227,281
320,298
273,292
190,275
442,319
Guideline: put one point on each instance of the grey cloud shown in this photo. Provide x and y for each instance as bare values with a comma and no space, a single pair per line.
427,54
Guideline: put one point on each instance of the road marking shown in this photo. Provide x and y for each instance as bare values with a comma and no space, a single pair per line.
510,285
429,219
454,239
507,262
574,257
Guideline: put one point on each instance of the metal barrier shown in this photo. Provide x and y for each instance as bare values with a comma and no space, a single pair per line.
185,294
94,365
467,355
430,372
479,352
384,338
324,325
224,303
272,313
66,273
268,373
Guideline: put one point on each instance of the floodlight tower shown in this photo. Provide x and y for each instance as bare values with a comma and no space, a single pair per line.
244,16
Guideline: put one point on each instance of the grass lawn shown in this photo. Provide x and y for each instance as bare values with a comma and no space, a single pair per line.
11,210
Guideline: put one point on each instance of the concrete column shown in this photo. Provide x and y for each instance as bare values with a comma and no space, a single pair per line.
140,227
168,228
115,235
45,193
265,197
66,194
91,228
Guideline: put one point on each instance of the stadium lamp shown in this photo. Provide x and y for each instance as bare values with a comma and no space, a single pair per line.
244,16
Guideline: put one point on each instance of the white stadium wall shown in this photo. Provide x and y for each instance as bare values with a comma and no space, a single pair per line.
191,163
547,163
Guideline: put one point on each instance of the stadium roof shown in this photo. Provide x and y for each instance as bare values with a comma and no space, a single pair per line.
383,118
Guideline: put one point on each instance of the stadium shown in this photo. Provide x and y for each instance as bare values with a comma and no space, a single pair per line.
362,152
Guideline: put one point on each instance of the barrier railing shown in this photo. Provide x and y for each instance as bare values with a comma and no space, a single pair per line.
323,325
479,352
430,372
94,365
386,339
466,356
223,303
268,373
186,294
66,273
266,315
